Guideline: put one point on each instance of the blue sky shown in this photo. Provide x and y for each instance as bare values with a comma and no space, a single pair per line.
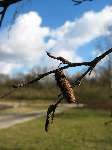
59,21
56,12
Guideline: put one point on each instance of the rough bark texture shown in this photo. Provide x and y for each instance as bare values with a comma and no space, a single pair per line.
65,86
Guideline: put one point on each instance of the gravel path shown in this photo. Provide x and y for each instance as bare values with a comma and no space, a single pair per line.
10,119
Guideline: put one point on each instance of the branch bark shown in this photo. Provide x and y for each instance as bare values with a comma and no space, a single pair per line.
90,64
52,108
5,4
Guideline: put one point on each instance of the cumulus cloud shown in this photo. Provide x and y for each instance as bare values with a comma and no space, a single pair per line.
22,44
90,26
25,44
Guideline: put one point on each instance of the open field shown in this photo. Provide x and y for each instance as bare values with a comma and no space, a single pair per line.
75,129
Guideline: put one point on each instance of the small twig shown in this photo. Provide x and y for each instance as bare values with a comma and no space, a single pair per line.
90,64
7,93
77,82
63,60
78,2
2,13
52,108
5,4
50,113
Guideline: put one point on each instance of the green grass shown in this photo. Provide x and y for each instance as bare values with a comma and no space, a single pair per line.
76,129
24,106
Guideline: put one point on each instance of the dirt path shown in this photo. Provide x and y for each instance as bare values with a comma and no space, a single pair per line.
10,119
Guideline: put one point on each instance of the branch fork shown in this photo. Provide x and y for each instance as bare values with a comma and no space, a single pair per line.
67,64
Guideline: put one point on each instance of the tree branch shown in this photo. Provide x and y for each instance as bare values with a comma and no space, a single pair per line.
63,60
5,4
52,108
90,64
78,2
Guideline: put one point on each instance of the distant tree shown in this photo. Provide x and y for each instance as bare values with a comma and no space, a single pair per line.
4,78
105,70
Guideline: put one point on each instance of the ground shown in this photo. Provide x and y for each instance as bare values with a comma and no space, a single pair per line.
74,129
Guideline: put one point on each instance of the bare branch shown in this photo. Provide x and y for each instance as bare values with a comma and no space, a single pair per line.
50,114
7,93
90,64
5,4
78,2
63,60
2,15
65,88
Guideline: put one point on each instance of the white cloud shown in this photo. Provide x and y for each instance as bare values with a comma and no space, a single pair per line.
26,42
81,31
22,45
6,68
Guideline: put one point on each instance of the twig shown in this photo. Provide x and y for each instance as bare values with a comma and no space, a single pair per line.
78,2
7,93
90,64
50,114
63,60
5,4
52,108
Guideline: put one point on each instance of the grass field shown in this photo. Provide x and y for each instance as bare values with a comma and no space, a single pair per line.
23,106
75,129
